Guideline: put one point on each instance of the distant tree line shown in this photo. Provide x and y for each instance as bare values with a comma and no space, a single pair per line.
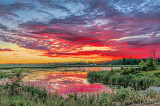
124,61
130,61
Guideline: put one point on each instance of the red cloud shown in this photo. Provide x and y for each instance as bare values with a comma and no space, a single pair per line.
5,50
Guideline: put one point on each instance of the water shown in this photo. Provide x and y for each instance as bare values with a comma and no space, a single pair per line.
67,80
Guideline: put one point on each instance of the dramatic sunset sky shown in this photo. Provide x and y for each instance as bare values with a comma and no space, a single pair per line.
40,31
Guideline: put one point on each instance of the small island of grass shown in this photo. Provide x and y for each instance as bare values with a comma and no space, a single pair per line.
139,78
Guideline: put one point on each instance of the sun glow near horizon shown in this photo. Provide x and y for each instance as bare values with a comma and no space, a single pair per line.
22,55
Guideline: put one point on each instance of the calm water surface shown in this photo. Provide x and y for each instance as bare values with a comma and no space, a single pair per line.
67,80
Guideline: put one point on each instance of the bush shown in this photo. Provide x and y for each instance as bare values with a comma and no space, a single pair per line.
149,65
157,74
41,94
4,74
13,85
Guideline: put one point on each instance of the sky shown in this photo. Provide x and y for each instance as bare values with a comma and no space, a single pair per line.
43,31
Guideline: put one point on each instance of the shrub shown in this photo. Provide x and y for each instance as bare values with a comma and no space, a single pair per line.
13,85
35,91
157,74
149,65
4,74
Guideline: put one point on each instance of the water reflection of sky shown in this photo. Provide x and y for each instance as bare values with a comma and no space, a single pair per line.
65,82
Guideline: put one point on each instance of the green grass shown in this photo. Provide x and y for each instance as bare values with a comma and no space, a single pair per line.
96,65
30,96
12,72
4,75
137,80
158,67
15,70
12,66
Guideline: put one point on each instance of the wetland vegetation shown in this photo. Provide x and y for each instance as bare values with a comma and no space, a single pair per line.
15,94
139,78
130,82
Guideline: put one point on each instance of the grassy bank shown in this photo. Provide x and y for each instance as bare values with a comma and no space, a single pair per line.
141,77
140,80
30,96
97,65
26,66
12,66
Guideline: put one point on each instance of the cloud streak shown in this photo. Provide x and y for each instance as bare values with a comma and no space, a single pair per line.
5,50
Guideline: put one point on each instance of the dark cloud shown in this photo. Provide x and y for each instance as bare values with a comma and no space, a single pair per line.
45,12
32,25
54,5
9,9
145,41
3,27
73,20
5,50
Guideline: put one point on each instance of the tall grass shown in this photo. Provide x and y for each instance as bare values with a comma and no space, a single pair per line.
137,80
4,74
30,96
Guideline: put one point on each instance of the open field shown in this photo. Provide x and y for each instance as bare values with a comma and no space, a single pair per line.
12,66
